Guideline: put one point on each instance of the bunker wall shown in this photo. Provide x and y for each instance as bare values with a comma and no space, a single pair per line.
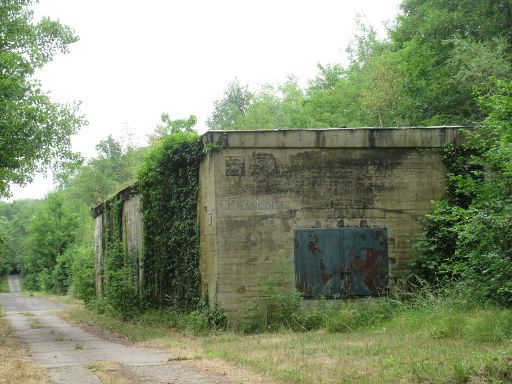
266,184
131,235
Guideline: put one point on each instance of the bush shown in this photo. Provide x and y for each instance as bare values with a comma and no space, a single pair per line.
60,275
467,237
309,320
435,248
122,295
272,311
277,304
30,281
82,273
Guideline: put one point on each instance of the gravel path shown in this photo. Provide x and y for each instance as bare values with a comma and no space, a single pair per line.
67,351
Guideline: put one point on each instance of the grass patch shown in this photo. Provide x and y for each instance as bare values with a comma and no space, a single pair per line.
35,323
434,340
14,366
62,299
135,331
110,373
4,284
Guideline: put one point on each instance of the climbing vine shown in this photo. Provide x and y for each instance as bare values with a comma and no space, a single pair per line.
436,246
169,184
120,288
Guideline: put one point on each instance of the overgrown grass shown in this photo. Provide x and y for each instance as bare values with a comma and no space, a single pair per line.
14,367
135,331
63,299
110,373
4,284
426,339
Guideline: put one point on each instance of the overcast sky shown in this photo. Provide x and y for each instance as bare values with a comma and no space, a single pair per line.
136,60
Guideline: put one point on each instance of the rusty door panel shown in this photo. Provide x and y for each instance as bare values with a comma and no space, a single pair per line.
341,262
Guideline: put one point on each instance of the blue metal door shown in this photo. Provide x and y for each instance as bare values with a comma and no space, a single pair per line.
341,262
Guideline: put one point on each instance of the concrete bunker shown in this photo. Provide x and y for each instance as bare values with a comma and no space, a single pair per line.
337,207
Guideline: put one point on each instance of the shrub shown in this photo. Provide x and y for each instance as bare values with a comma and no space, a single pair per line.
82,273
277,304
467,238
276,307
122,295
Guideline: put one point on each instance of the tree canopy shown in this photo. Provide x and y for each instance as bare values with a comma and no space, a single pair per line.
34,130
437,54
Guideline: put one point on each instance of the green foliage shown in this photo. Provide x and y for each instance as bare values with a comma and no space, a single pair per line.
233,106
467,236
6,262
276,303
4,284
34,131
435,248
81,272
373,312
122,294
437,53
203,319
169,182
171,127
51,231
113,168
16,218
276,107
440,44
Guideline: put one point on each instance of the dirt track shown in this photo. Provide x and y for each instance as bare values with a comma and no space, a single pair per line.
70,353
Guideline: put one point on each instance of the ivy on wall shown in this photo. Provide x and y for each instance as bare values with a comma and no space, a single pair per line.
169,185
435,247
120,286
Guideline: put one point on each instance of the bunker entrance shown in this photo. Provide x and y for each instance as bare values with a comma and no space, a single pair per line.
342,262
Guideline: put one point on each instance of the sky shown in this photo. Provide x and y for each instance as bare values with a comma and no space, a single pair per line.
136,60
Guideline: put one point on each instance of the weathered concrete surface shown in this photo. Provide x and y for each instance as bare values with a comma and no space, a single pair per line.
14,284
98,258
264,184
65,350
410,137
133,234
206,213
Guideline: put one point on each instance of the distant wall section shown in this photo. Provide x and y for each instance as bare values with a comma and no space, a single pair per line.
131,227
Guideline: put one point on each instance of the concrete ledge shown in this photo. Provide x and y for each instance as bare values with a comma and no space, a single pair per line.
410,137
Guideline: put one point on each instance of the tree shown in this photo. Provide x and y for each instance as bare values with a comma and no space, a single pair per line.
233,105
332,98
52,230
6,263
112,169
34,131
276,107
171,127
381,89
431,37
